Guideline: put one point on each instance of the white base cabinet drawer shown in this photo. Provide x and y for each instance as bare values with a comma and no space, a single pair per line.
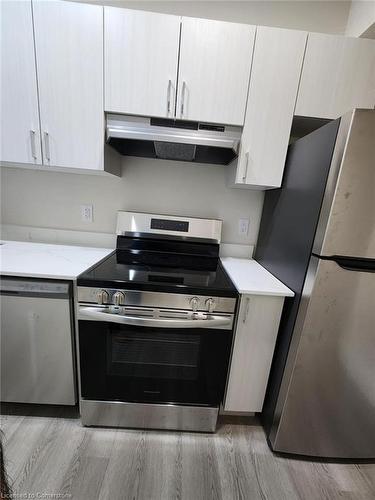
254,343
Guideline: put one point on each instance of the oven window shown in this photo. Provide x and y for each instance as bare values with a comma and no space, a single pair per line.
158,365
146,355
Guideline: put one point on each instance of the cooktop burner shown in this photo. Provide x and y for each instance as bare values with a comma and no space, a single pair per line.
125,271
159,261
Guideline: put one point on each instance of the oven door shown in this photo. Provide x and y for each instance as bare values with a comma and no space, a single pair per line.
139,358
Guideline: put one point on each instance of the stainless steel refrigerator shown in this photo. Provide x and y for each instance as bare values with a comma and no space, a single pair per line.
318,237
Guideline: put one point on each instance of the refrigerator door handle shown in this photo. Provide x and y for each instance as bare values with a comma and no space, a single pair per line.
359,265
352,263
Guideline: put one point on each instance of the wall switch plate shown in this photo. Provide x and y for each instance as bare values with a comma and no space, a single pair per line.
243,227
87,213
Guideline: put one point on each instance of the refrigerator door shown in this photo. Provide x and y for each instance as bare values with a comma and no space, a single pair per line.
349,225
327,407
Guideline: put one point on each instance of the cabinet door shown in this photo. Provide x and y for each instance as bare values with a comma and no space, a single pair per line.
274,79
338,74
20,135
254,343
141,57
69,54
214,69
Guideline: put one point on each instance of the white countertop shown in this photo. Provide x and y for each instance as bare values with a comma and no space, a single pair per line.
41,260
249,277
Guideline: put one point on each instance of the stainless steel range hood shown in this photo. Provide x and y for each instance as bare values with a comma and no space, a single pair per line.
173,139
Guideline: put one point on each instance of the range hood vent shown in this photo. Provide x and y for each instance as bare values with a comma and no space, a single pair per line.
169,139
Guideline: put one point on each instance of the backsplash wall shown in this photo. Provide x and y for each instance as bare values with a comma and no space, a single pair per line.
53,199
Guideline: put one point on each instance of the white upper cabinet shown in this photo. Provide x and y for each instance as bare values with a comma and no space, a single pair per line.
69,54
63,65
143,52
20,137
214,69
141,58
275,75
338,75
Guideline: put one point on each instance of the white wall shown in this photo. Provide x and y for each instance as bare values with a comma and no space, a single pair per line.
53,199
361,18
322,15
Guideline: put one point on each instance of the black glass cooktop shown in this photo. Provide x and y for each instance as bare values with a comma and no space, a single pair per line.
161,266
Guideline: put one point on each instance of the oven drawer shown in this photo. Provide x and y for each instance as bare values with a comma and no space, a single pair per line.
149,416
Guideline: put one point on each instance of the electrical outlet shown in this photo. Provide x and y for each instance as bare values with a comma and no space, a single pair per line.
87,212
243,227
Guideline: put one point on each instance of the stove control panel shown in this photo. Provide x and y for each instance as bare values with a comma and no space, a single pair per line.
116,297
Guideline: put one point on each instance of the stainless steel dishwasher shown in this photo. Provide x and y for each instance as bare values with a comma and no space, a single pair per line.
37,363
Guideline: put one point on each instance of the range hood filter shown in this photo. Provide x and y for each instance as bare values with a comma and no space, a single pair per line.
172,151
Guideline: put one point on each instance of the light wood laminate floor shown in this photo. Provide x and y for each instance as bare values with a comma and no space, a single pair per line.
48,452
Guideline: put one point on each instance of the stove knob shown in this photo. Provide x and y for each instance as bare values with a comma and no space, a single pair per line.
210,304
194,302
102,297
119,298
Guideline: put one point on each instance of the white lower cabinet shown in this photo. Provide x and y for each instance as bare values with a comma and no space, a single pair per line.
254,343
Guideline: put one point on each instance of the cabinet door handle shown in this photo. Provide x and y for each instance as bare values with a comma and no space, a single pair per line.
246,312
33,145
46,146
246,165
183,90
169,96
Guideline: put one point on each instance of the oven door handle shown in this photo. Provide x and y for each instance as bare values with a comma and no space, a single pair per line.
211,321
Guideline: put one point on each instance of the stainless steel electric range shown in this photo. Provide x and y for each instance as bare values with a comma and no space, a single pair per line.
155,326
